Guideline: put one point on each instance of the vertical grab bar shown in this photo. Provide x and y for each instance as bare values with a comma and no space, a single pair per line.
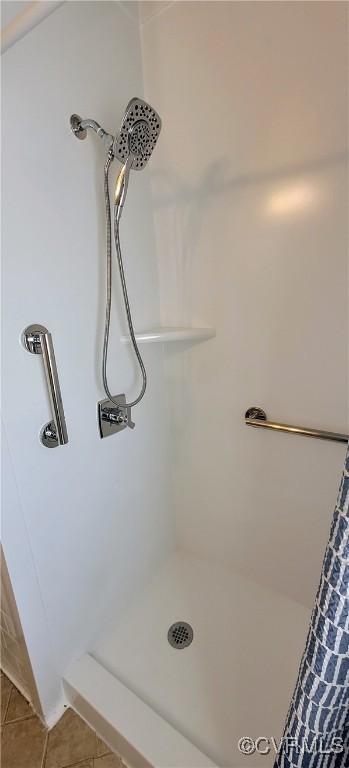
38,341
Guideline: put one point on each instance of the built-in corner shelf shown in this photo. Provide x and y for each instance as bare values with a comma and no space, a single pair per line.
165,334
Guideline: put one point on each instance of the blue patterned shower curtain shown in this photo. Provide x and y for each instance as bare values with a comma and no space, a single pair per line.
317,726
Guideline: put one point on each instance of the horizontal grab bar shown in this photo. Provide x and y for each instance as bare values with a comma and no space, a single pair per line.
256,417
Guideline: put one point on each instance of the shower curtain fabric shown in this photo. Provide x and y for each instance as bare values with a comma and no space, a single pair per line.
316,734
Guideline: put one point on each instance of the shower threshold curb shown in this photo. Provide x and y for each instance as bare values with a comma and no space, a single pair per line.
126,724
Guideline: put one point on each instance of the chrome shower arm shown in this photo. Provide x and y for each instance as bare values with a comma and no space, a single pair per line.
97,129
79,128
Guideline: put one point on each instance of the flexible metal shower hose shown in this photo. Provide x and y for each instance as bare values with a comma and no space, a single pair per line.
109,160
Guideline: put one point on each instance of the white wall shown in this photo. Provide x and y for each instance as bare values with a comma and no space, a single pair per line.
250,202
84,523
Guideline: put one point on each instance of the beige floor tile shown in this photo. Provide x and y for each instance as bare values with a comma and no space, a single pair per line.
102,748
108,761
23,744
69,742
18,707
6,688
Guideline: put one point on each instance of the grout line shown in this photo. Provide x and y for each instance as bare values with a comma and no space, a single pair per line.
20,719
108,752
80,762
8,700
23,717
44,753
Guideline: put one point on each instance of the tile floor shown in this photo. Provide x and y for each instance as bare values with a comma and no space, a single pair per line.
25,743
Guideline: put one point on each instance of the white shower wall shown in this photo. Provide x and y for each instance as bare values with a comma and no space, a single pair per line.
250,202
248,188
83,525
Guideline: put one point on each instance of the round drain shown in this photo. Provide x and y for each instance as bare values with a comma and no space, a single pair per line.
180,634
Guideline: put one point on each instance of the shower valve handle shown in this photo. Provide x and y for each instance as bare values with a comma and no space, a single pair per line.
130,423
120,416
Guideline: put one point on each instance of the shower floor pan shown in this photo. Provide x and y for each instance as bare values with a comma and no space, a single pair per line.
188,707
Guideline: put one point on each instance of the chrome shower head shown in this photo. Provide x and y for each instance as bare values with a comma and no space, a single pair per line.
138,135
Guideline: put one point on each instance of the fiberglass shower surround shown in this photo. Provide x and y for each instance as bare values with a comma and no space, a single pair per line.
133,146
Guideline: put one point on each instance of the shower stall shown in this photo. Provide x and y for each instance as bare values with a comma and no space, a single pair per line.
164,578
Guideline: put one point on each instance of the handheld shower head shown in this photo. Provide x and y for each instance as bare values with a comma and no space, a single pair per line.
138,135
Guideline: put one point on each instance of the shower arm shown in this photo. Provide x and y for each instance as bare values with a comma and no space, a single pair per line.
79,128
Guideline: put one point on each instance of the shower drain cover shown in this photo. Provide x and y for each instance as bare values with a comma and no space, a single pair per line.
180,634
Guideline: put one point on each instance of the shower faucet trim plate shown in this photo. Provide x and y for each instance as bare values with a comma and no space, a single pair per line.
112,418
